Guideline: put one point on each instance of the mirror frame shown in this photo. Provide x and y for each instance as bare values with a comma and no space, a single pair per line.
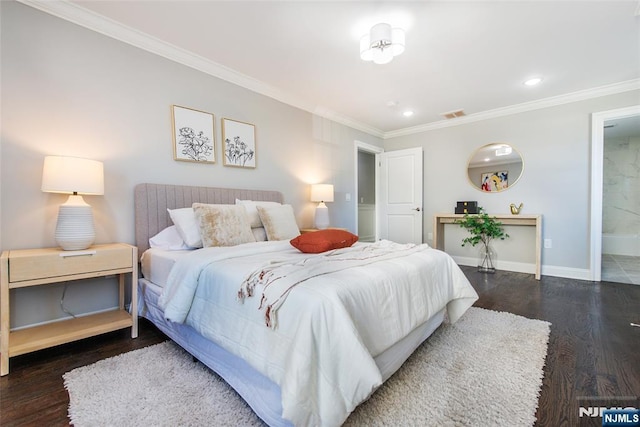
494,145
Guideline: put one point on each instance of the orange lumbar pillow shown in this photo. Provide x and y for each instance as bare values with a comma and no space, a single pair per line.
323,240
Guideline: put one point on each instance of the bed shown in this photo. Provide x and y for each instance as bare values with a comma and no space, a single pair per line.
327,352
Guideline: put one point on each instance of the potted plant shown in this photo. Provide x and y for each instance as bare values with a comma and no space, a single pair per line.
483,229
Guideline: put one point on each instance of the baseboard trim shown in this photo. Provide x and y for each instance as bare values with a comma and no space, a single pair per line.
567,272
521,267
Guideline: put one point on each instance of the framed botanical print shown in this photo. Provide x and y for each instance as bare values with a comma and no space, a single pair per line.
193,135
239,143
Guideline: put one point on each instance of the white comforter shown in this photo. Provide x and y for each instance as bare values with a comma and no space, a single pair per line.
331,326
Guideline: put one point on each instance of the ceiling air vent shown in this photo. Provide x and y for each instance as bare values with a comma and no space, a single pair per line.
453,114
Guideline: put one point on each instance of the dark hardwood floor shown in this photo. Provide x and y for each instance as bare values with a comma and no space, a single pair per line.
593,357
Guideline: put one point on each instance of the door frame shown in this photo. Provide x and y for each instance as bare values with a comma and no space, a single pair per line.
597,167
372,149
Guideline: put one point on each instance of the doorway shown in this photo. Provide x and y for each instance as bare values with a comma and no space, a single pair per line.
366,196
602,237
621,201
366,176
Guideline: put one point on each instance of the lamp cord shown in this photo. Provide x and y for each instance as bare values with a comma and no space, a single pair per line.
62,307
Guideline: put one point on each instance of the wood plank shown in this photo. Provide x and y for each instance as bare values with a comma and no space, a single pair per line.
4,313
67,278
39,337
55,265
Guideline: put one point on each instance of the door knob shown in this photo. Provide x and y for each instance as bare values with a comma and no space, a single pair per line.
416,209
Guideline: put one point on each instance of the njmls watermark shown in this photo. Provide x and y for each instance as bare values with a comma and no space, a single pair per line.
612,410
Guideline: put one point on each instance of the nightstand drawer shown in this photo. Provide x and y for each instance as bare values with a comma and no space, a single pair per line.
38,264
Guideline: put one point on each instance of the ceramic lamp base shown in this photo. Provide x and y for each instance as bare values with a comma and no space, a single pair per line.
322,217
75,230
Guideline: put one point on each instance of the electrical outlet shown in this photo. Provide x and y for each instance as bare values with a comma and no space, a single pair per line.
347,197
548,244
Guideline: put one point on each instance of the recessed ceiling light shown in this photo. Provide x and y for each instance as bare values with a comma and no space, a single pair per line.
533,81
408,113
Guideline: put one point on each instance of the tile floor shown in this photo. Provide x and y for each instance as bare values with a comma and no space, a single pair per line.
621,269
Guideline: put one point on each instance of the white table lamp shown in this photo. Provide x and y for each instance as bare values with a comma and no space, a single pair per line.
74,176
322,193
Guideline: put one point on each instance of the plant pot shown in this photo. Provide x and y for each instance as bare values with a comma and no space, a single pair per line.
487,259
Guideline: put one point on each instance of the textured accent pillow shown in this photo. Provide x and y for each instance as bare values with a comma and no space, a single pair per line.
250,206
187,226
323,240
279,222
223,225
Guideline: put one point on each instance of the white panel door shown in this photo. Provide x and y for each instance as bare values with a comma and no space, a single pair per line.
401,195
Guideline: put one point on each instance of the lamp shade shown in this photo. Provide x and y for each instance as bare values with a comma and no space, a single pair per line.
322,193
69,175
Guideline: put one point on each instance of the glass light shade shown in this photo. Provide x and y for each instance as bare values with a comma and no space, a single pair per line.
382,44
397,40
381,56
322,193
366,53
70,175
380,33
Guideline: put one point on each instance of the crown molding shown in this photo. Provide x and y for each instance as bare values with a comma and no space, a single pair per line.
553,101
93,21
110,28
347,121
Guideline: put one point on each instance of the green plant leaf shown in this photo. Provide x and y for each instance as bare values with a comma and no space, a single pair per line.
482,228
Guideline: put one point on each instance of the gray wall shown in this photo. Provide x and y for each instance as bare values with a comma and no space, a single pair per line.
67,90
555,144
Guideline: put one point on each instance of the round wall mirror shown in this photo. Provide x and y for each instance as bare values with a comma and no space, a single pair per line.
495,167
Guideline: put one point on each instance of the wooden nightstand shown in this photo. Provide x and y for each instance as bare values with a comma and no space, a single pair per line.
311,230
34,267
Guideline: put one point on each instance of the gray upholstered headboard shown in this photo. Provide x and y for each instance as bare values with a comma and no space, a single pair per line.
153,200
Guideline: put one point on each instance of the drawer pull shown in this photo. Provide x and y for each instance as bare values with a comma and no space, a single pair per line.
76,253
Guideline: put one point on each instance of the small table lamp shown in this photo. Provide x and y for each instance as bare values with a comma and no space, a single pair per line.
74,176
322,193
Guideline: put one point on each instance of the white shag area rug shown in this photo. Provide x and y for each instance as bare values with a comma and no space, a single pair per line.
484,370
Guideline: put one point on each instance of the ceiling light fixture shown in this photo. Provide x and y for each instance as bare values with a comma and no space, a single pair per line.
408,113
534,81
382,44
503,151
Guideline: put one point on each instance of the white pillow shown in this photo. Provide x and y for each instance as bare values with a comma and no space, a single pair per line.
168,239
186,224
259,233
250,206
279,222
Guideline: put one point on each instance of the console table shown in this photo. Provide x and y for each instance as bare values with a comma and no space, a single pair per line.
439,220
